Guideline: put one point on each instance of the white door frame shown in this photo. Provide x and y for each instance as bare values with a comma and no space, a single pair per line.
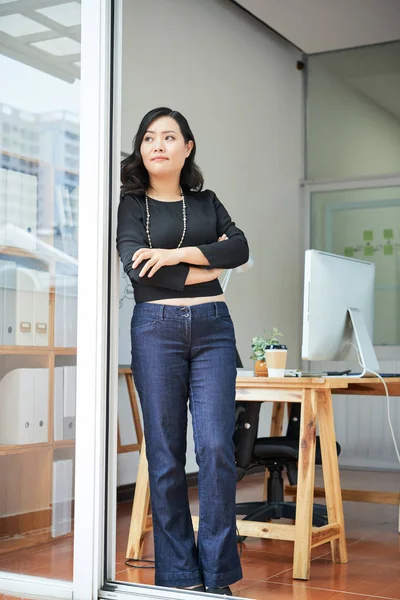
96,17
92,367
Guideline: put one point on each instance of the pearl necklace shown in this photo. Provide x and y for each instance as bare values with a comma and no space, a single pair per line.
148,219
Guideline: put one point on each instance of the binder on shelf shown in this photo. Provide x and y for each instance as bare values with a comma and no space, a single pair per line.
17,390
58,411
41,406
25,306
2,286
24,406
13,211
69,402
3,206
41,309
28,207
70,311
59,311
8,315
62,497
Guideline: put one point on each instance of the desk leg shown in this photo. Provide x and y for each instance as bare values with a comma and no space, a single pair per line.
305,485
140,508
333,493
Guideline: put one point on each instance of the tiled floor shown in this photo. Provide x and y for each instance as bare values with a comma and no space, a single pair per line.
373,570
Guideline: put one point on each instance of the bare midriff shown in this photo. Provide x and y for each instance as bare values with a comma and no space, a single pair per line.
189,301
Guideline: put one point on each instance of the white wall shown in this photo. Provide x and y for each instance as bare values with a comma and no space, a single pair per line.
348,134
237,84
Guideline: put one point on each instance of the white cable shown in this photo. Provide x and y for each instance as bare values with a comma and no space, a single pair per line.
387,398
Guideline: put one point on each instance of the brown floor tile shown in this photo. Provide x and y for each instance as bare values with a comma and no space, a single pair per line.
373,545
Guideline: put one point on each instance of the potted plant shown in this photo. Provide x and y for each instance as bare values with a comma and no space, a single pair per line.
275,354
258,345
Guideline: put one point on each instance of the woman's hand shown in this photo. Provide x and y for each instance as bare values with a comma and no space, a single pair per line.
157,258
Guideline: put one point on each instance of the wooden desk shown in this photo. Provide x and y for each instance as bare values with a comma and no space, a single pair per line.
315,395
357,387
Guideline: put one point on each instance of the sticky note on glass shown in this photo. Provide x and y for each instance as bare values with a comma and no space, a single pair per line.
388,249
388,234
368,251
349,251
368,235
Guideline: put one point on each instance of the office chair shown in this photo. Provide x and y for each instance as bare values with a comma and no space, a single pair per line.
276,454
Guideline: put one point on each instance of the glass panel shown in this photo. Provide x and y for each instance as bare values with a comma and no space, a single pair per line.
364,224
39,162
353,113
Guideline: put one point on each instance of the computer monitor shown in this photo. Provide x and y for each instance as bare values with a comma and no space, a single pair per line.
338,309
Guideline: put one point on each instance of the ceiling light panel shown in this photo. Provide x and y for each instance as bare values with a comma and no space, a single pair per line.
18,25
67,14
62,46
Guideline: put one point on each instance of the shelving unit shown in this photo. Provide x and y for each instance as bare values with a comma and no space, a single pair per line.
27,469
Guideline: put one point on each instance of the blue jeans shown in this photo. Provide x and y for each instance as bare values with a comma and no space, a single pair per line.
181,353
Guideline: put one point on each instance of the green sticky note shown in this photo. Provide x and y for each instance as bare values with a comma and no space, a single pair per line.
368,251
368,235
388,234
388,249
349,251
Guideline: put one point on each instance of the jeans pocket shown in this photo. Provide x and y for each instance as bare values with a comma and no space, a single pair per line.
141,321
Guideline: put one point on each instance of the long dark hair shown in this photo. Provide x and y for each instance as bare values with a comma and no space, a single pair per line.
134,175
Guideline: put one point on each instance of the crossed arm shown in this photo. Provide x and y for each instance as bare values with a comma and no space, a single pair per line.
159,257
185,265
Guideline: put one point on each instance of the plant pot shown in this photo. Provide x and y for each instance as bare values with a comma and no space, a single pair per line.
260,368
275,358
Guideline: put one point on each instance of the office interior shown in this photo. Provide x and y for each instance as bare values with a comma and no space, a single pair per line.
298,132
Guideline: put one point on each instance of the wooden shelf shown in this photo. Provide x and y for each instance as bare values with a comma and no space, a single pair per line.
42,350
64,351
24,529
63,444
22,448
26,540
24,350
13,251
6,449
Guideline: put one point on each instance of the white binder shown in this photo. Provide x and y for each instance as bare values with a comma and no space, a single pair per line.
69,402
25,306
28,213
17,390
41,406
62,497
41,309
70,311
3,206
59,312
58,403
14,196
2,283
8,316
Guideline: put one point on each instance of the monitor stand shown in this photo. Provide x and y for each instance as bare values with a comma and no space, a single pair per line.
364,344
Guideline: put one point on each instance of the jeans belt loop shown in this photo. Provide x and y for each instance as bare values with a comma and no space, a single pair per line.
216,309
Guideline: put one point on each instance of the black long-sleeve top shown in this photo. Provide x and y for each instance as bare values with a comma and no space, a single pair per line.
207,220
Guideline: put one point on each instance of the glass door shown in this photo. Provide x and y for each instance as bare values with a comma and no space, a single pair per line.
363,223
39,262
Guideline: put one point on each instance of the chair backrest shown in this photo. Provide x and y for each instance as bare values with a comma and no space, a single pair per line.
293,426
247,416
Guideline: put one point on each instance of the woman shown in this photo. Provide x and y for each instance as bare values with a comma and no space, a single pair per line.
174,240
